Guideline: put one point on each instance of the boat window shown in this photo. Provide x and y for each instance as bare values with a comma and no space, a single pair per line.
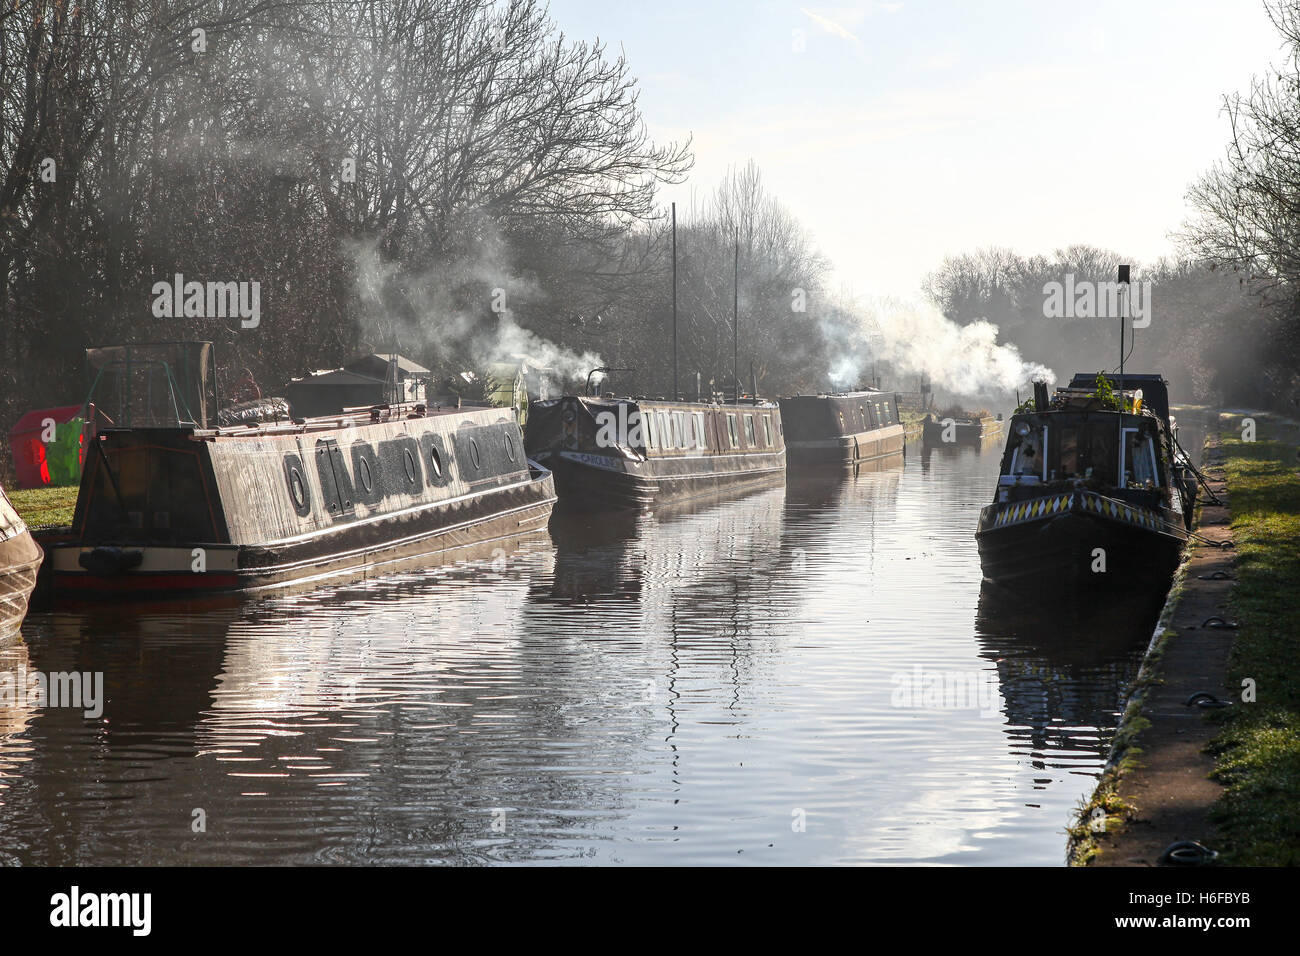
1087,451
665,431
749,431
767,430
731,430
700,443
1139,459
1027,459
648,428
679,430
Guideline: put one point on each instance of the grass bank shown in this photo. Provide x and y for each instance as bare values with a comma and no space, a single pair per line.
1257,753
45,507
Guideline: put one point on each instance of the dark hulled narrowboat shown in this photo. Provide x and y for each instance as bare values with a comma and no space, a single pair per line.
952,430
1090,491
184,509
20,560
625,452
841,429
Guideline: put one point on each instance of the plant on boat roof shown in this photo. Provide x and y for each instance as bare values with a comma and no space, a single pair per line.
1105,393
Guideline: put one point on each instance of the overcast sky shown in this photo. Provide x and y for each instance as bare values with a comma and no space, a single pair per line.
904,132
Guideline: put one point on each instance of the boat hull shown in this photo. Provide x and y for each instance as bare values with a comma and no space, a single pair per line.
846,450
20,561
1076,541
594,482
346,551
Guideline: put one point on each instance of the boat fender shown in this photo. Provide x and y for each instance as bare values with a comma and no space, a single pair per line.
110,560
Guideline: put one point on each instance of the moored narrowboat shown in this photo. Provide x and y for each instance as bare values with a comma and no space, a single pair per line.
185,509
1090,491
632,452
841,429
20,560
960,430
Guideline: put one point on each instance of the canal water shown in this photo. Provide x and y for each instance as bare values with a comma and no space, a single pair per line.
804,675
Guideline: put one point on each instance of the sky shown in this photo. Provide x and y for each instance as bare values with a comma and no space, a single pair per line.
903,132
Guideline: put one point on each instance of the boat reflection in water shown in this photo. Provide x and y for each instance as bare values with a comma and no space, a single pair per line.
624,554
17,710
1063,671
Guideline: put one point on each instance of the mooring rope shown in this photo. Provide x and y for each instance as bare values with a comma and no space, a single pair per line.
1200,477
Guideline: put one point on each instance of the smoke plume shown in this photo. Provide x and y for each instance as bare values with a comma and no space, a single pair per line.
916,339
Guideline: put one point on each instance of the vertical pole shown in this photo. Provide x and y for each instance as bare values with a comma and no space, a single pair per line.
735,321
676,395
1123,310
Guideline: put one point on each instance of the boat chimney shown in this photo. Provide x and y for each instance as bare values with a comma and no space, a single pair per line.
1040,396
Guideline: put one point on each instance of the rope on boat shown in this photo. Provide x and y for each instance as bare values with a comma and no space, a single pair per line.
1200,476
1170,527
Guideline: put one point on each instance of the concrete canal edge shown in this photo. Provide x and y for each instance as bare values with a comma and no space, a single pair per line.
1155,788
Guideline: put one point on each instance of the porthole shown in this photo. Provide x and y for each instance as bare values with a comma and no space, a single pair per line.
364,473
474,455
435,462
412,470
297,486
510,448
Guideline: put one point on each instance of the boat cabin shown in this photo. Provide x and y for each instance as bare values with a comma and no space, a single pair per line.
1079,442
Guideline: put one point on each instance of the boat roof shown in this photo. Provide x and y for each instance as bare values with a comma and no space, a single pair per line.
1155,390
338,376
860,393
348,418
646,399
380,361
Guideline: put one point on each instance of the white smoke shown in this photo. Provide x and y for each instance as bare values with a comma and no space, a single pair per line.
483,333
917,339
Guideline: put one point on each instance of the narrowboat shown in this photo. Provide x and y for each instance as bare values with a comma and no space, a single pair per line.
965,430
1091,490
192,509
841,429
632,452
20,560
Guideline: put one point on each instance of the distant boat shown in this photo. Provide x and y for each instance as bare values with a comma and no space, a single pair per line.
1091,490
632,452
20,559
841,429
942,429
